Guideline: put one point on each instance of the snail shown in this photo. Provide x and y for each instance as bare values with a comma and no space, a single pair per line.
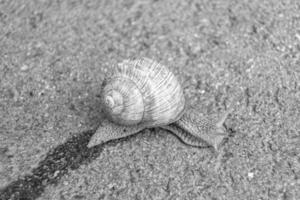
143,93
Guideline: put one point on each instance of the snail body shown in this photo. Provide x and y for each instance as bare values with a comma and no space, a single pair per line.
142,93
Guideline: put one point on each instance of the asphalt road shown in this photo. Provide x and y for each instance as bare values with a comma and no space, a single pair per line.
53,57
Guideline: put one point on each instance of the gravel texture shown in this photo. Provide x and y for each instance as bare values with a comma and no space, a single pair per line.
53,57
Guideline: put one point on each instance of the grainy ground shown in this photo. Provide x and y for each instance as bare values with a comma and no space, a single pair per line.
53,56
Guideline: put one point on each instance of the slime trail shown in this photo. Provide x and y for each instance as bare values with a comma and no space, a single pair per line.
67,156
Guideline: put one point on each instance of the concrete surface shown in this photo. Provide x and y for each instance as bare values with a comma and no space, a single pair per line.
53,56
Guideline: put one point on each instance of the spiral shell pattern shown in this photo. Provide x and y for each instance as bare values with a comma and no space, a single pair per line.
142,91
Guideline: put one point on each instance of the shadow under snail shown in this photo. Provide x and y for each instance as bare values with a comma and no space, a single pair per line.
141,94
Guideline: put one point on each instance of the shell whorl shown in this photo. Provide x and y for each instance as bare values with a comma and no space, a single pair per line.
144,92
123,102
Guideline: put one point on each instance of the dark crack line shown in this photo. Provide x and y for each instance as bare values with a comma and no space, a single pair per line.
68,156
58,162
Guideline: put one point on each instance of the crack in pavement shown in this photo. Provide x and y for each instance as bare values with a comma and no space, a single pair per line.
58,162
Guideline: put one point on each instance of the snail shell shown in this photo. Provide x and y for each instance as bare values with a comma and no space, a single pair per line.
142,92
